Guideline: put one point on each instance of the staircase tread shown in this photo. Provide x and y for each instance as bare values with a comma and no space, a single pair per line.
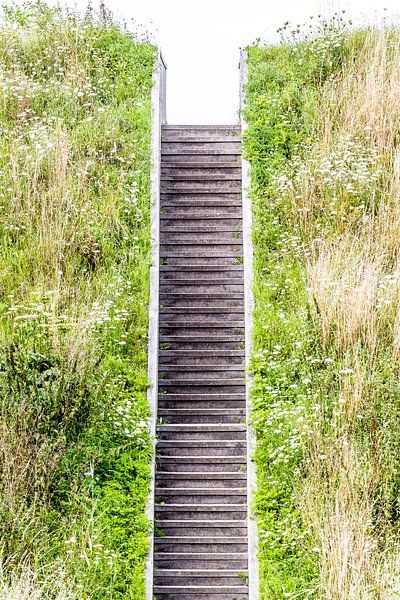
205,459
205,177
192,217
195,242
202,427
203,588
201,126
227,443
201,570
182,370
172,539
223,396
203,491
229,278
205,555
202,324
203,507
203,382
191,353
212,296
197,229
203,411
202,268
210,523
199,475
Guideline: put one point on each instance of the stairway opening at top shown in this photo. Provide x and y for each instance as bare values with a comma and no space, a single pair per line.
203,544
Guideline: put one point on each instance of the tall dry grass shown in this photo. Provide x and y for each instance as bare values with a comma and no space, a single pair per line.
337,508
366,93
353,278
29,585
344,277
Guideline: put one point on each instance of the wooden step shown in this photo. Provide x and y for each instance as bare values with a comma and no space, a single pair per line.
203,512
202,432
207,544
202,577
200,147
180,463
201,447
197,315
201,186
223,250
192,594
200,203
205,229
204,237
189,207
235,356
208,287
203,222
215,279
201,268
209,261
234,382
203,403
194,480
191,173
196,136
209,370
171,560
233,160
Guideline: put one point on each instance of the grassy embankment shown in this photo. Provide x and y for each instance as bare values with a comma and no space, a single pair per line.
324,122
74,263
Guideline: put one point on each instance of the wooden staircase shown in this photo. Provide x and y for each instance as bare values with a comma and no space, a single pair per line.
200,545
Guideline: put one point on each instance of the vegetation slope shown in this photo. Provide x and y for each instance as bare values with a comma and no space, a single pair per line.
74,263
324,118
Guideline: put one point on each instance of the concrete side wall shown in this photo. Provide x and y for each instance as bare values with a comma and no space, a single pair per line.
248,308
158,110
162,89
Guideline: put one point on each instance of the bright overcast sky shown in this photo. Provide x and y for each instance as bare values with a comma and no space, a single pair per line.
200,41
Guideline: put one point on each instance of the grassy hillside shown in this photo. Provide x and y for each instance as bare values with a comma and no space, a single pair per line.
324,122
74,262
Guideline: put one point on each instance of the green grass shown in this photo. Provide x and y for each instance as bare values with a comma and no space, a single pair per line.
282,104
75,122
320,180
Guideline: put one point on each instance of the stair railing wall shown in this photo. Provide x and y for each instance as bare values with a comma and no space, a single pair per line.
158,117
248,309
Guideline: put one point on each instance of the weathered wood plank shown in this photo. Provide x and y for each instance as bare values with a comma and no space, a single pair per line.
200,148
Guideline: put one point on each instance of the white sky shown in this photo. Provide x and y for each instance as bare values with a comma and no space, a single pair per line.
200,41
